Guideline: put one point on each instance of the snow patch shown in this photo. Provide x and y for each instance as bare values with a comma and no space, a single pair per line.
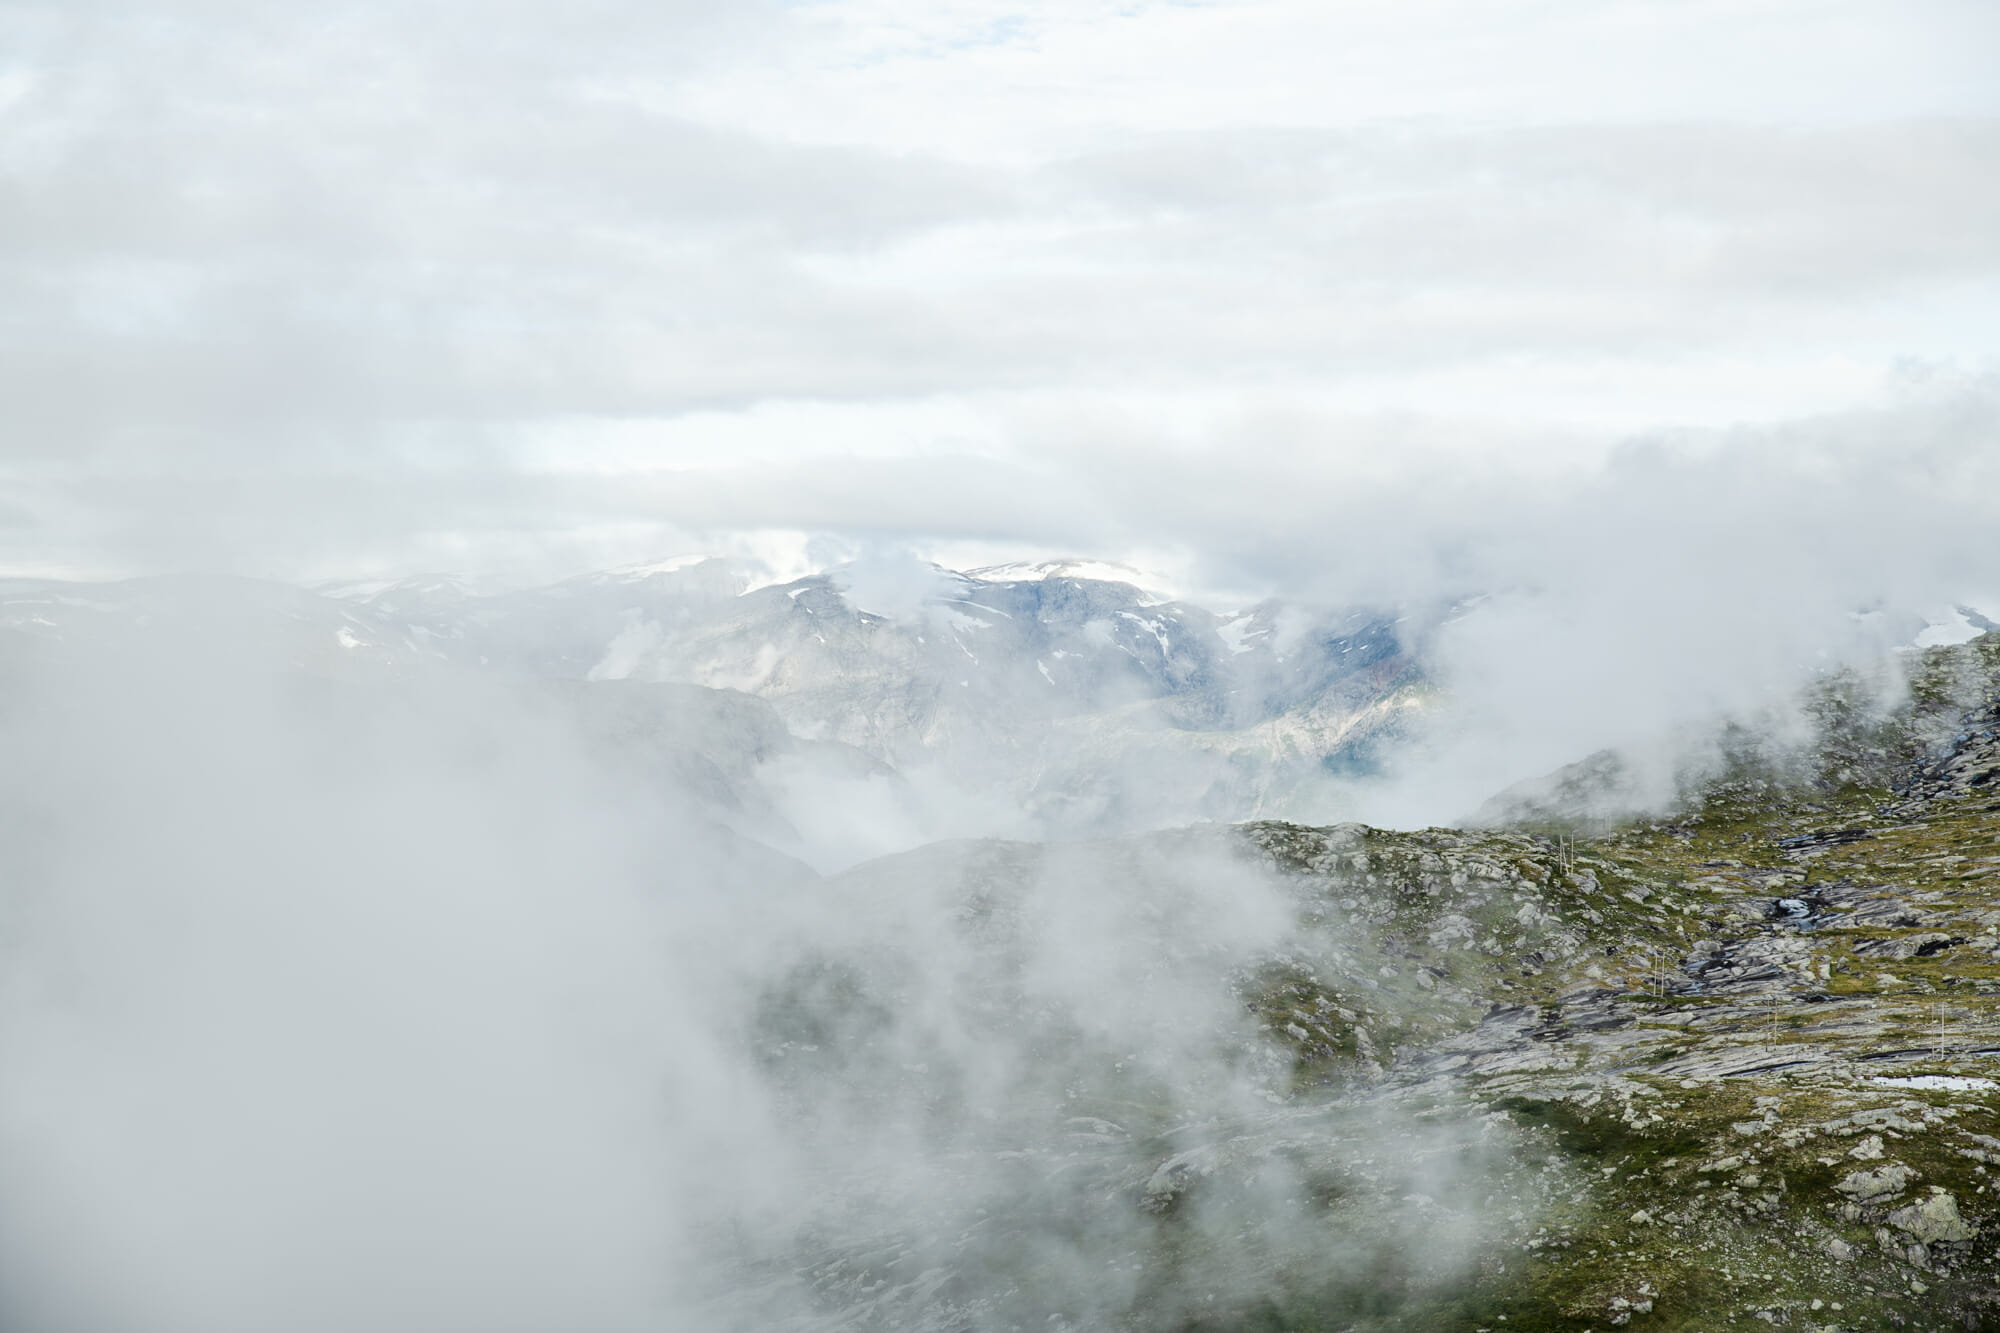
1938,1082
1238,630
1952,628
959,622
1154,627
1150,584
646,569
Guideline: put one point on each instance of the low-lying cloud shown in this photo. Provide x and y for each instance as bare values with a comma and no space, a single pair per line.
331,1004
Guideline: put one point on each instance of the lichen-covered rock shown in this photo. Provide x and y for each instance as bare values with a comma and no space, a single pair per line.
1882,1183
1934,1220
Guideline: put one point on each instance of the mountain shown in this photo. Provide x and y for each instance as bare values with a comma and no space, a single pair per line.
1731,1063
1082,704
968,653
1038,682
1717,1054
296,627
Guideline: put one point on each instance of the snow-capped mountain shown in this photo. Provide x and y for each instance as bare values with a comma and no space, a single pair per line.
1087,701
943,701
1041,680
989,650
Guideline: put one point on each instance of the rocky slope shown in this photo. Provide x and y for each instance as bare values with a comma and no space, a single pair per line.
1765,1029
1731,1067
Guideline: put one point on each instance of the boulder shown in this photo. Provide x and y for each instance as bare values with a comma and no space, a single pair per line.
1881,1183
1933,1220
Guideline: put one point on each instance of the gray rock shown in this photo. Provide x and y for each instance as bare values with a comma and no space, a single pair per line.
1908,946
1882,1183
1934,1220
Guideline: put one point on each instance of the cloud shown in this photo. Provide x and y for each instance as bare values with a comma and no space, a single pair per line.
335,1005
536,289
1669,329
414,240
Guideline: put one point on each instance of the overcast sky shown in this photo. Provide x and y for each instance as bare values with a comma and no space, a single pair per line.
308,291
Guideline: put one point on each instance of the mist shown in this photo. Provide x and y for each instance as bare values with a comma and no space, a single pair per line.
333,1004
1688,584
639,644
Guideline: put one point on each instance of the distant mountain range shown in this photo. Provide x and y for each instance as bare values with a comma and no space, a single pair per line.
864,708
964,655
1081,699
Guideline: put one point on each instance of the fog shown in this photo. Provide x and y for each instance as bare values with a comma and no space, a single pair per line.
1469,390
330,1004
297,993
334,995
1690,582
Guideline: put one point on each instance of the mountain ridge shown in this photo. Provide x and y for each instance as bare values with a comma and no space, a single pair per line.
1743,1048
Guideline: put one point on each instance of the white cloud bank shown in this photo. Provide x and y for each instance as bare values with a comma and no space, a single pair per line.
537,285
1672,326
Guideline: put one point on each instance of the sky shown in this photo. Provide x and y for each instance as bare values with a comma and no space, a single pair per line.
330,291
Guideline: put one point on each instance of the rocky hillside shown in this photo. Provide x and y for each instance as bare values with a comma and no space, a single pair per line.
1735,1066
1764,1031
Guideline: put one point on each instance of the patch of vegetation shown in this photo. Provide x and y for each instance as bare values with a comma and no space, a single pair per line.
1691,1014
